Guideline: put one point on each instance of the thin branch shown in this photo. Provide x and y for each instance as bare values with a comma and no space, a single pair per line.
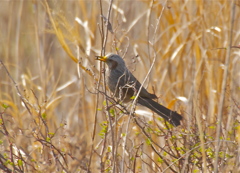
104,77
224,84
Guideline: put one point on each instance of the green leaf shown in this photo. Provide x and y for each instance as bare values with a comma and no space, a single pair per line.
44,115
133,97
103,131
160,160
123,134
48,139
164,153
109,148
148,141
137,133
104,103
51,134
19,162
111,111
5,106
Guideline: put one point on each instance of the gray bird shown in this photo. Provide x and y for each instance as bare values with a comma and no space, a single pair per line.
124,86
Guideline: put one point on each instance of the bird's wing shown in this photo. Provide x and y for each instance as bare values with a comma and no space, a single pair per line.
144,92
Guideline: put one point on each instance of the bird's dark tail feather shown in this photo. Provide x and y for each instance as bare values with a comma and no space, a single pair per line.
173,117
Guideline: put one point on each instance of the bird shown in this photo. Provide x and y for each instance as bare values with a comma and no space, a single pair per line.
125,86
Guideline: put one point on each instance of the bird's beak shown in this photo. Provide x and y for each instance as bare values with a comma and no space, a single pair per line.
101,58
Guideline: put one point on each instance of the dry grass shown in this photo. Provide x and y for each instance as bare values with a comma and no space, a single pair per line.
57,116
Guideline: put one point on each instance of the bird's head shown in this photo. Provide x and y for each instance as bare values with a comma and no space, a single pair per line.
112,60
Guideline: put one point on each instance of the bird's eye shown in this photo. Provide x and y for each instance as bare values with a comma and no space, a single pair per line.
110,60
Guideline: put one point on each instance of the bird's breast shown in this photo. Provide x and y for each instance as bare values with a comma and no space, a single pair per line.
114,80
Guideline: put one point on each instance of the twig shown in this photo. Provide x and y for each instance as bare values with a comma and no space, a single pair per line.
187,153
224,84
104,77
17,88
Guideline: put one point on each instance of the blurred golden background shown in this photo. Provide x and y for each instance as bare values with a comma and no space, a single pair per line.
58,121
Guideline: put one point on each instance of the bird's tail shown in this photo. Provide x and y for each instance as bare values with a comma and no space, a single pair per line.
173,117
